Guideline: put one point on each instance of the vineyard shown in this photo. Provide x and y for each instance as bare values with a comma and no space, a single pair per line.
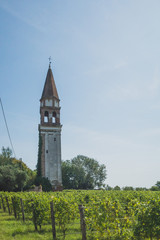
91,215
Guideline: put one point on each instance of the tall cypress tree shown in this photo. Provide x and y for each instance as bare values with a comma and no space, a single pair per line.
39,170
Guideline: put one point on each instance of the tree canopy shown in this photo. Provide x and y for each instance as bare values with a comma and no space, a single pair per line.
83,172
14,174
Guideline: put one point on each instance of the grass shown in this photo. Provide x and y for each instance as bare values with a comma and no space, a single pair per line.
16,229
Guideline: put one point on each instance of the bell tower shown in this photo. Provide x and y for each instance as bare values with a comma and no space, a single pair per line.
50,132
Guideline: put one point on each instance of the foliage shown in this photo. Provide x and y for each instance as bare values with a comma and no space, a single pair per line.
14,174
83,173
128,188
5,156
72,175
154,188
117,188
39,171
21,179
7,178
46,185
65,212
12,178
108,188
6,153
141,189
116,215
30,181
158,184
39,206
148,225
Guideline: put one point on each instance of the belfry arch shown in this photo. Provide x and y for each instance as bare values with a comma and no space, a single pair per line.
46,117
54,115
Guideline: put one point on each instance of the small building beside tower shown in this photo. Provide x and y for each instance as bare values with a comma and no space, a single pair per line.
50,133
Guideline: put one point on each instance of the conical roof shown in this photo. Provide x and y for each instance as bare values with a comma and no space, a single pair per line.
49,89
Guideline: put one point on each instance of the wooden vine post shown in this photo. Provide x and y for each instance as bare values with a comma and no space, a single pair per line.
53,221
22,209
4,208
82,222
14,208
8,206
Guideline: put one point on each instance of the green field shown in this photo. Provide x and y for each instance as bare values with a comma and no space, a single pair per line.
112,215
16,229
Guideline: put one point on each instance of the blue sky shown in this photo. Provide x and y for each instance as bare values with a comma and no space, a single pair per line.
106,65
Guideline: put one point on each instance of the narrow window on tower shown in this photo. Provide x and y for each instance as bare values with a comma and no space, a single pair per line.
54,117
46,117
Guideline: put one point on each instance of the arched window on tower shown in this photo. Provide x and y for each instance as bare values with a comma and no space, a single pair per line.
46,119
54,117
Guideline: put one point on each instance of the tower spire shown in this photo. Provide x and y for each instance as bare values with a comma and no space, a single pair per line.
49,90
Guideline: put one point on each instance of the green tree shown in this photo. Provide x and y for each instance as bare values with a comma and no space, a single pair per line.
6,152
21,179
82,172
128,188
154,188
5,156
7,178
141,189
117,188
108,188
158,184
14,174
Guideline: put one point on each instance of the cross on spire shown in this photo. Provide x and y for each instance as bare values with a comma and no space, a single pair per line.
49,61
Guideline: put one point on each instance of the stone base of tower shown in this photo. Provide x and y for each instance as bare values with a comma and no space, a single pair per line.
57,188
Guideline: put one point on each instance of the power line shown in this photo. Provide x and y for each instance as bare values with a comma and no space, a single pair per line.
7,128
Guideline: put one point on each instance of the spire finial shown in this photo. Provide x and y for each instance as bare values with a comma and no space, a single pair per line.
49,61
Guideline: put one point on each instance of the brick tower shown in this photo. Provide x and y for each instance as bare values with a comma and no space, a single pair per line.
50,132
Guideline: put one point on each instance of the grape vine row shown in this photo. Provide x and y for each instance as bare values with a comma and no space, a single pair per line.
108,215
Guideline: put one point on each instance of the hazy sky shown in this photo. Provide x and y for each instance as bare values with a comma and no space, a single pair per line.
106,65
